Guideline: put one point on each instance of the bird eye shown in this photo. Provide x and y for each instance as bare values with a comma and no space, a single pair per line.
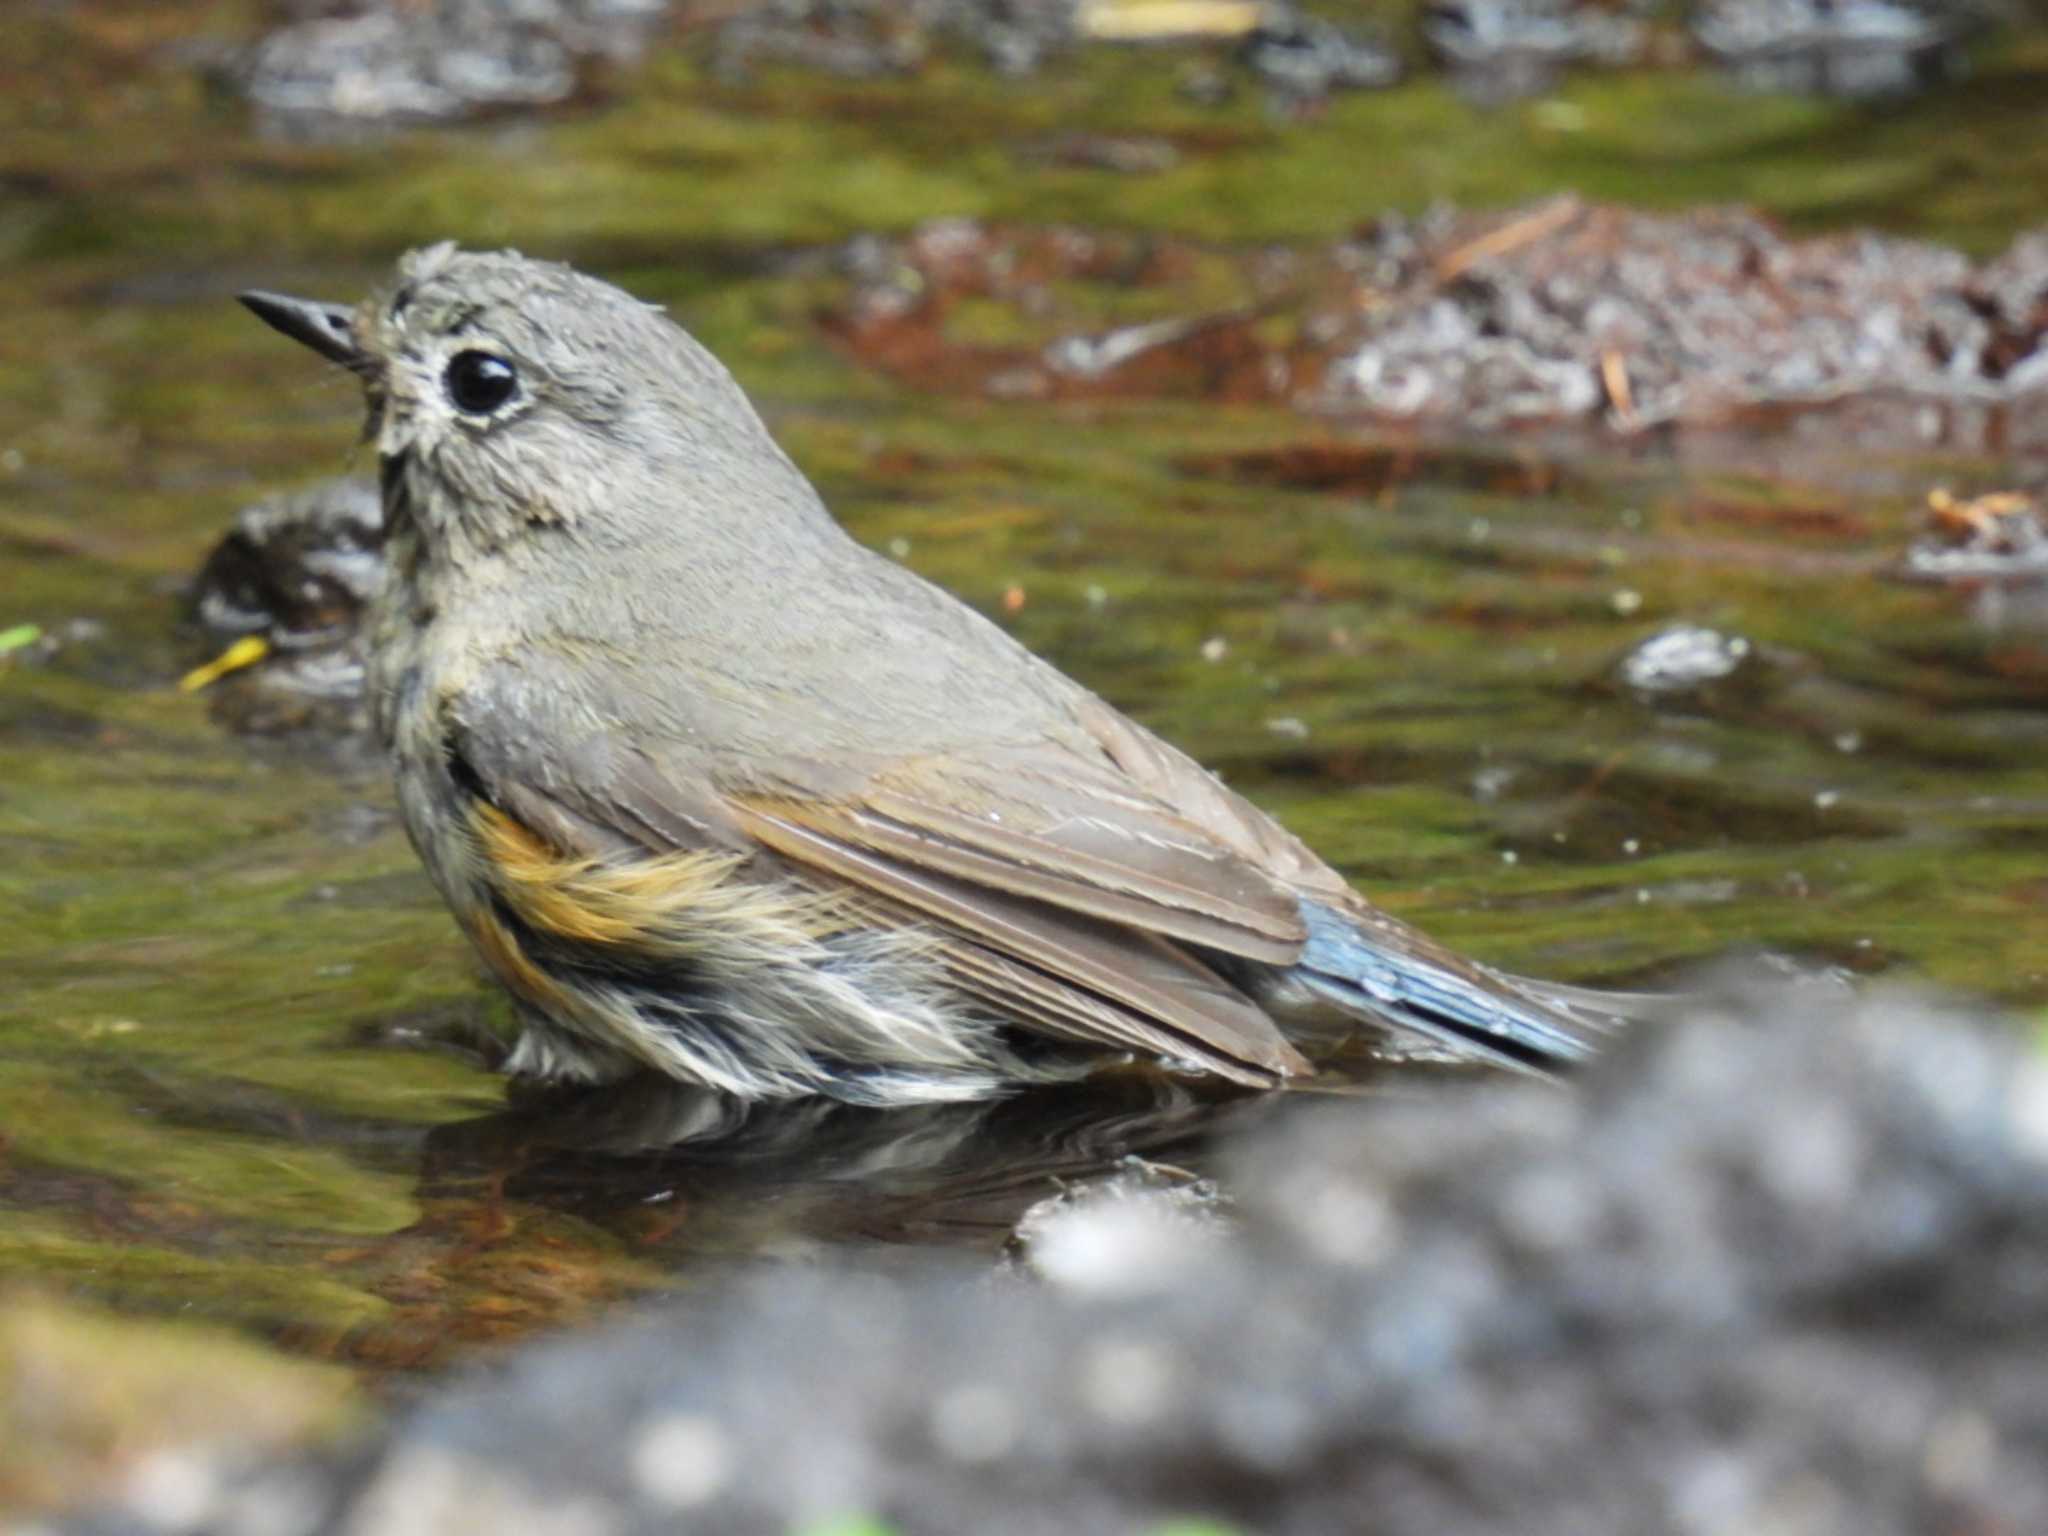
479,383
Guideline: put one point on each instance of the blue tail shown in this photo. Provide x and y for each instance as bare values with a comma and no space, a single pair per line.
1462,1008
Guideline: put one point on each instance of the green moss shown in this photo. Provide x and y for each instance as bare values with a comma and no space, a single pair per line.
230,1287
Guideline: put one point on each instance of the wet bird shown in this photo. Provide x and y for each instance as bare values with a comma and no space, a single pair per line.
720,793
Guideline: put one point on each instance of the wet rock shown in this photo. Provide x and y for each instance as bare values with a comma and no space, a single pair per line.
296,567
1854,48
1500,50
1997,539
1303,58
1123,1232
855,39
1991,547
295,572
331,64
862,39
1563,313
330,67
1783,1266
2011,295
1683,660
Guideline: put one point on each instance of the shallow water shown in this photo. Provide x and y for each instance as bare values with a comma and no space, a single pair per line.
240,1078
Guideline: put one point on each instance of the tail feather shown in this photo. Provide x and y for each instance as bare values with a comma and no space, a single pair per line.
1464,1009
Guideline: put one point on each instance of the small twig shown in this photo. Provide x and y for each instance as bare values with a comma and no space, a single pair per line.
1511,236
1614,377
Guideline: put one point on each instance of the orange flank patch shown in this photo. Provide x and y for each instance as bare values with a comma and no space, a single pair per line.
591,903
672,903
503,955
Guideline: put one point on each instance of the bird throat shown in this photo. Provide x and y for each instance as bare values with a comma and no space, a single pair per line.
393,471
407,550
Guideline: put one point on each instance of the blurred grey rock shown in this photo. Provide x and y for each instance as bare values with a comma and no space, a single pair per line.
1854,48
336,63
1302,57
864,39
1502,50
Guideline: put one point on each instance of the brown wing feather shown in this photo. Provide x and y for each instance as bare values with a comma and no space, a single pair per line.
1067,1012
1195,1009
1166,776
1062,869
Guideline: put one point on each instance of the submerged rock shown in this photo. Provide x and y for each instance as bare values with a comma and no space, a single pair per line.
1783,1266
295,572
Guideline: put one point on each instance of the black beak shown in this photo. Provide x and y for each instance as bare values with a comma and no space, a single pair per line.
325,328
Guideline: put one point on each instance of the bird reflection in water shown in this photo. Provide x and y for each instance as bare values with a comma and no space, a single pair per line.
735,1180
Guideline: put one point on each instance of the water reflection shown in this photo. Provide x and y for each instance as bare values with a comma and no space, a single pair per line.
690,1173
